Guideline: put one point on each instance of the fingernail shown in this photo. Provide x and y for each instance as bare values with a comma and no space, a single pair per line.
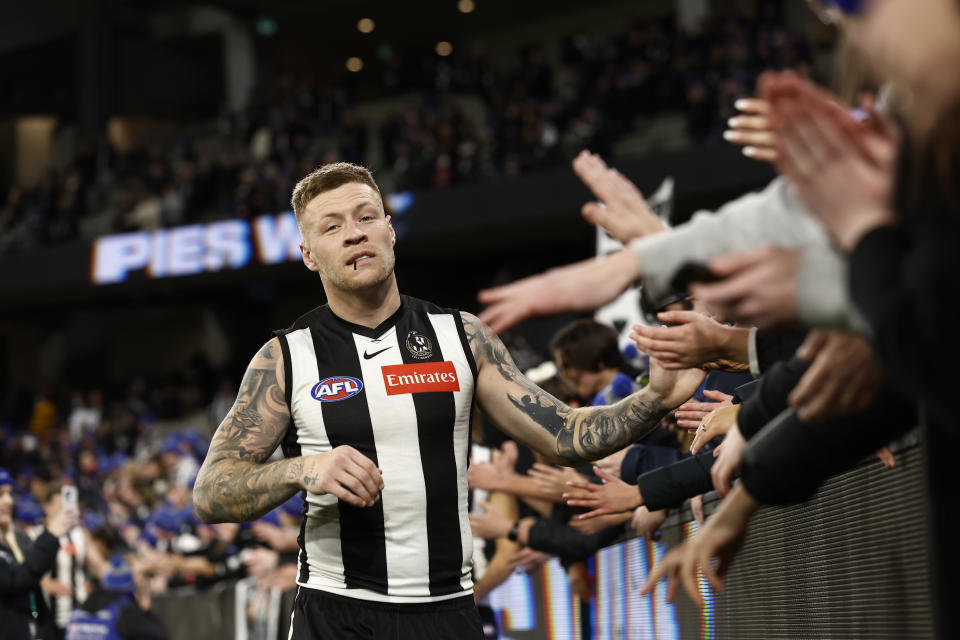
741,104
749,151
733,122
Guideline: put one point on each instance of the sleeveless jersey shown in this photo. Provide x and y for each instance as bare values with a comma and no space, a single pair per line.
401,394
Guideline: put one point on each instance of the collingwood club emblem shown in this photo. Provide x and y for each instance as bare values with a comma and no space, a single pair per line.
419,345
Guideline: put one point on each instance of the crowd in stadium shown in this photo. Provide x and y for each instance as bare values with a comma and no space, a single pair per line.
808,317
538,110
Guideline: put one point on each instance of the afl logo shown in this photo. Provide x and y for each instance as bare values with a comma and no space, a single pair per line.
336,388
419,345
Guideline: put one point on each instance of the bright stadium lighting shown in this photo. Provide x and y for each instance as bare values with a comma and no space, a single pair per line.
354,64
444,48
366,25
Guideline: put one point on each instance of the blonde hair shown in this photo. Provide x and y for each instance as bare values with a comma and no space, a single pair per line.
327,178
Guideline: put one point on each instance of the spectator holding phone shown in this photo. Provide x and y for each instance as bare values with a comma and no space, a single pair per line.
22,563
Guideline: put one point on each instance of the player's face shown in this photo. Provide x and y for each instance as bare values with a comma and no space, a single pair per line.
6,505
347,238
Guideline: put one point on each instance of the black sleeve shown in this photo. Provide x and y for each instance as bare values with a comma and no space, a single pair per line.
568,543
16,579
669,486
642,457
136,624
770,397
742,393
903,280
788,460
774,345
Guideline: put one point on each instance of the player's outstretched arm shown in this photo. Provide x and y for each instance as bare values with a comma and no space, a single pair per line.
234,484
565,435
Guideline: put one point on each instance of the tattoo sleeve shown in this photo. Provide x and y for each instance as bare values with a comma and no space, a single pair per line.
234,484
575,436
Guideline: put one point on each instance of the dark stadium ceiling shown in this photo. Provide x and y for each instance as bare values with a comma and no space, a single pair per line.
327,27
332,24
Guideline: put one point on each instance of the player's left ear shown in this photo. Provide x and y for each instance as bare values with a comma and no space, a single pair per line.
393,234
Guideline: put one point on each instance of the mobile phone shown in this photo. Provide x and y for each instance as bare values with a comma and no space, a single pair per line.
692,272
68,496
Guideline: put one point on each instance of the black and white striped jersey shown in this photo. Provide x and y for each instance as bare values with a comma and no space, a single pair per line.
401,394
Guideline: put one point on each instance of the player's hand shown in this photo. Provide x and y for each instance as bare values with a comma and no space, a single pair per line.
843,379
695,340
345,473
674,386
647,523
729,455
552,481
690,415
716,423
752,130
613,496
582,286
621,210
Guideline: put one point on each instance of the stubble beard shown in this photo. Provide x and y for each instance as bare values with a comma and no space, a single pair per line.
345,283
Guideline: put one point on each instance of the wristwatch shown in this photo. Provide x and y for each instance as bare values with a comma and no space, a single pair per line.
514,531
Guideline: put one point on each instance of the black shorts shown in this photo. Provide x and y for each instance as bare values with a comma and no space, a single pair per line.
318,615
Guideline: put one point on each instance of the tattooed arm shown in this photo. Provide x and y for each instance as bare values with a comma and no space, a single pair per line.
234,484
568,436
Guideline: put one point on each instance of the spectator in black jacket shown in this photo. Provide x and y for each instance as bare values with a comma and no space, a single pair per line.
23,612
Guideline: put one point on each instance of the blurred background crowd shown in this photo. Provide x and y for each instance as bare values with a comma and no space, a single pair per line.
810,309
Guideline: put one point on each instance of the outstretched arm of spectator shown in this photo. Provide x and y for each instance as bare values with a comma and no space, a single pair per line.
484,475
621,210
613,496
582,286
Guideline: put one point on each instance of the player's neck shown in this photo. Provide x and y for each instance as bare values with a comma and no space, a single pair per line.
368,308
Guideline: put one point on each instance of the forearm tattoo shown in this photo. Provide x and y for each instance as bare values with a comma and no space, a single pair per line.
234,484
582,434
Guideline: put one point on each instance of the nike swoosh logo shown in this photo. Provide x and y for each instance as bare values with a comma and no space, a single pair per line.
367,356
